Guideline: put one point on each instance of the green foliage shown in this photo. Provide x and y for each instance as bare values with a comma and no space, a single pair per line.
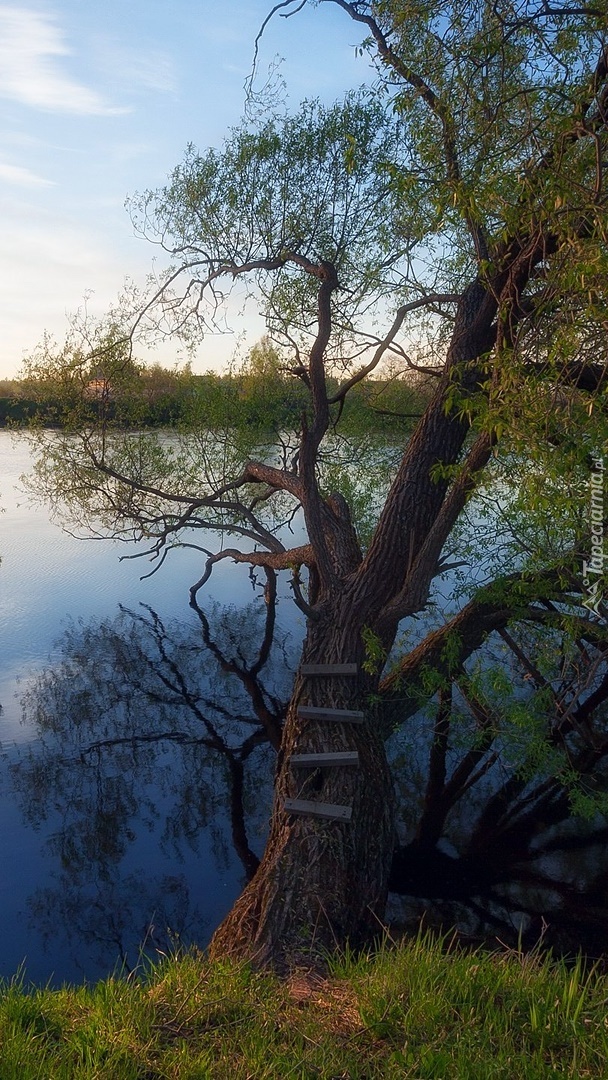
417,1009
375,653
315,182
262,394
451,654
386,403
270,399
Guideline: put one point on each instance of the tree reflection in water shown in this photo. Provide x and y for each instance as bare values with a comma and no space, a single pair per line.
158,740
506,834
154,746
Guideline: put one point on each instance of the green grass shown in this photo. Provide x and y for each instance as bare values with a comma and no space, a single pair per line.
415,1010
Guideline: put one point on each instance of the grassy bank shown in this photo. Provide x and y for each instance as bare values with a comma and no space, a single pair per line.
417,1010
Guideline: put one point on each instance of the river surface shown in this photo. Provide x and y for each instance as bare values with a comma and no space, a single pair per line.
136,772
108,850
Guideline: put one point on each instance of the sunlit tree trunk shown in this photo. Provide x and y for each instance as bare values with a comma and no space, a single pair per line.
321,882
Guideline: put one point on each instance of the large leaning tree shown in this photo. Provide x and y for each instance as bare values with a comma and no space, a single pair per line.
451,217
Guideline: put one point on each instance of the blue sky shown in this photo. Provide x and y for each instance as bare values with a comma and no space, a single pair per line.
97,101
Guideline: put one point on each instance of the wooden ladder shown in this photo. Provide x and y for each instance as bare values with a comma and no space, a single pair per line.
342,758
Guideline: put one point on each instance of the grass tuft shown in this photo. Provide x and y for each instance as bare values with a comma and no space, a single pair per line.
423,1008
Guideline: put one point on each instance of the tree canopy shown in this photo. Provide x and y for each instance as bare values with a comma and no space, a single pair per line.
451,218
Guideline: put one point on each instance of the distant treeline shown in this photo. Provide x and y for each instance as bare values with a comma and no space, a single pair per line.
158,397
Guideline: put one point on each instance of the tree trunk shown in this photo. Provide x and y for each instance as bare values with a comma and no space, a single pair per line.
321,881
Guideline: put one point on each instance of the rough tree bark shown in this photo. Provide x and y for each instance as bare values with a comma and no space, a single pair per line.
323,882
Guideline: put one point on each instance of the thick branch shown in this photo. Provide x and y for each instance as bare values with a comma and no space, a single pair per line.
414,594
312,436
417,493
283,560
447,649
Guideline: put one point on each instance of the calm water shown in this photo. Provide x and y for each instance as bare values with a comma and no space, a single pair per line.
136,773
121,737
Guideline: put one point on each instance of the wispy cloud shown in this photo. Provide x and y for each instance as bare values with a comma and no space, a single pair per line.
31,50
135,67
17,175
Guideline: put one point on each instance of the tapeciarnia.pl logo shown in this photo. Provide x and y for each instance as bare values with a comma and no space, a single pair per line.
593,567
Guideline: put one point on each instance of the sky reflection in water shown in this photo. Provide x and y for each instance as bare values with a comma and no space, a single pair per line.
102,849
137,775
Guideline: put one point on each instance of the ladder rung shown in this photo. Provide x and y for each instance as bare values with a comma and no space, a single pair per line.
341,757
344,716
318,809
